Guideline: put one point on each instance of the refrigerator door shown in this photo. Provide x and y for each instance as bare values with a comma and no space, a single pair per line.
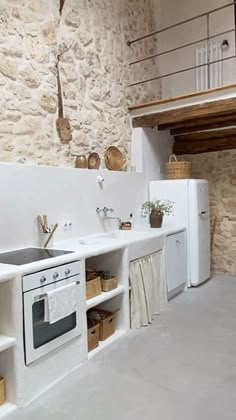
199,231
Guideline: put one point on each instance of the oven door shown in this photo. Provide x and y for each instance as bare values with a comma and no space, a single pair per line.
40,337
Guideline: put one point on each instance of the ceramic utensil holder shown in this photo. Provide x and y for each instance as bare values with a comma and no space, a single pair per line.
43,237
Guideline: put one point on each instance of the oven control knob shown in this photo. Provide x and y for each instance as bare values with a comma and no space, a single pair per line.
43,279
67,272
55,275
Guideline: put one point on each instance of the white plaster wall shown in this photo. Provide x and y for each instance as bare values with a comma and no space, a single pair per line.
64,194
150,150
170,12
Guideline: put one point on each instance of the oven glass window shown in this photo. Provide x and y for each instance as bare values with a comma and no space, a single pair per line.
43,332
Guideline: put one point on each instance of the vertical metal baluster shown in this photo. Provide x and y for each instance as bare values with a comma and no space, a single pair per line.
208,50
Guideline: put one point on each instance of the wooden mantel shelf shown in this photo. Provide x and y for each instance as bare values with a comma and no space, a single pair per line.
197,121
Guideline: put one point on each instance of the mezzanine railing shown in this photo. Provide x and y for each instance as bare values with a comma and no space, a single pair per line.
209,62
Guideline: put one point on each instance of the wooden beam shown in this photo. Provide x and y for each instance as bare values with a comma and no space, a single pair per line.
207,135
200,125
196,147
179,98
207,109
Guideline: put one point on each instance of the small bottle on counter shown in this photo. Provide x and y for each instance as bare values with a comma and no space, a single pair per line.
131,220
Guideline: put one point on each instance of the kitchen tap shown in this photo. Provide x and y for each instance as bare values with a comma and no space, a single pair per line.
104,211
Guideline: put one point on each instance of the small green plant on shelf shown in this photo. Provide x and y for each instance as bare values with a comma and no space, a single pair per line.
156,209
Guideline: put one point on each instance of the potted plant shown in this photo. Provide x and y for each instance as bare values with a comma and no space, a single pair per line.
156,209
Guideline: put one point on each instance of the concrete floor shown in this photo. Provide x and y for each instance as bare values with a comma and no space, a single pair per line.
182,367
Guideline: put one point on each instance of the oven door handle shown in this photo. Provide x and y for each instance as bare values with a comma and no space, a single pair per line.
44,295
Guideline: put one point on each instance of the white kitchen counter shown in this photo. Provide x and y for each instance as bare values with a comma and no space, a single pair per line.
122,247
98,244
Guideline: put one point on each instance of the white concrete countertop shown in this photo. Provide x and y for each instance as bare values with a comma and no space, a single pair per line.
89,246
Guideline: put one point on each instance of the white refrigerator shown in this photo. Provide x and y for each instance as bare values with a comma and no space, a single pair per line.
190,199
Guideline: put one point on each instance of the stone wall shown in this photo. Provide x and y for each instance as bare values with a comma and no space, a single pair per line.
94,71
219,169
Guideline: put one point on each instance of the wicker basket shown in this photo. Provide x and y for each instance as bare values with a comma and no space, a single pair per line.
107,323
109,284
91,274
178,170
93,287
2,391
114,159
93,335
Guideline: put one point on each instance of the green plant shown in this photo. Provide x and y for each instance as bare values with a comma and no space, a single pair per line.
159,206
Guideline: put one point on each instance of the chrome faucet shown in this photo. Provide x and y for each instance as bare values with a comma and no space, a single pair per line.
104,211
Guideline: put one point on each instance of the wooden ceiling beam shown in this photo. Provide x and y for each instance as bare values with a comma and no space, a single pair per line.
197,147
201,125
206,135
193,112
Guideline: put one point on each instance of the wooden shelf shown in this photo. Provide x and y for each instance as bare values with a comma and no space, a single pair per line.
179,98
104,297
102,344
6,409
6,342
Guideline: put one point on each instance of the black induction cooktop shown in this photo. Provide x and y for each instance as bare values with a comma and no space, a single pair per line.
29,255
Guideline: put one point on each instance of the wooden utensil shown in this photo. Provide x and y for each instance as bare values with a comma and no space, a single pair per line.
81,162
93,161
45,223
61,6
114,158
62,123
40,224
51,234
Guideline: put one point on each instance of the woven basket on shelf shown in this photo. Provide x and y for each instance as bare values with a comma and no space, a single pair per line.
2,391
93,335
178,170
93,287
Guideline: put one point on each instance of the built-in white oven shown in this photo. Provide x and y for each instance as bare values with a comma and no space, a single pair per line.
41,337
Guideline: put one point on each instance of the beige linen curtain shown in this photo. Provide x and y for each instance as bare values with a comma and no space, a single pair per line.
148,289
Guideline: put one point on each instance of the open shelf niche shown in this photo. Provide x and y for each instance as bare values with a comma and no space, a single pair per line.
7,343
117,263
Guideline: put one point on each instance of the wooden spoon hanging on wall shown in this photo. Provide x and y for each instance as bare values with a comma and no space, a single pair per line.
61,6
62,123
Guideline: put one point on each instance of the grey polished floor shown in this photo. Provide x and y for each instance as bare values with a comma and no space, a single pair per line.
182,367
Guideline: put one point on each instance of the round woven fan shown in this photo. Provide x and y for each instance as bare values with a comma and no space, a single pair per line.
114,159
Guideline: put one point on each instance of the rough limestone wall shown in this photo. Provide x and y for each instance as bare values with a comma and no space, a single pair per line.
219,169
94,71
